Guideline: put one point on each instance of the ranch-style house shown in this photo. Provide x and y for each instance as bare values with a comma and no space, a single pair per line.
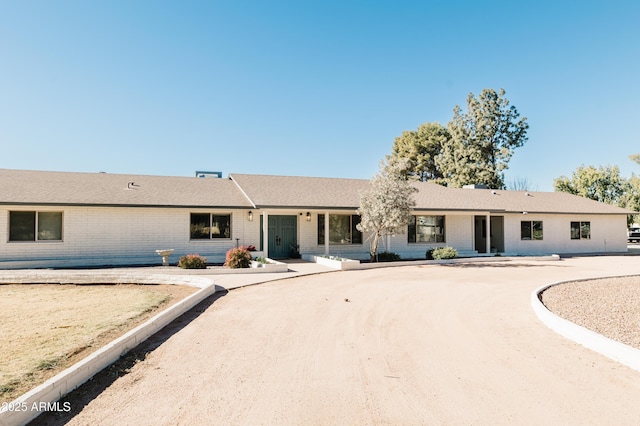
62,219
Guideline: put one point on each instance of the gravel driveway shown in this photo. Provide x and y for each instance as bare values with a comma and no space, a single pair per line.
420,345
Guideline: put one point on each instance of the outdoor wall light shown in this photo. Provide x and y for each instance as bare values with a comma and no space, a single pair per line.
250,216
308,217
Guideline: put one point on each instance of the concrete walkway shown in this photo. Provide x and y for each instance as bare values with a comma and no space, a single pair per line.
168,275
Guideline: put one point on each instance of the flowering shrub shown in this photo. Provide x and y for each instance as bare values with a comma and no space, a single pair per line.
193,261
238,258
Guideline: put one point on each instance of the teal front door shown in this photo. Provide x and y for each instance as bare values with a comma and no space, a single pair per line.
283,232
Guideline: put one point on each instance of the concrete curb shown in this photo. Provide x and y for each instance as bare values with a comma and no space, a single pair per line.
43,398
480,259
612,349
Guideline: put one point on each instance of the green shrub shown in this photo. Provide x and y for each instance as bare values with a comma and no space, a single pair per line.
238,257
429,254
294,251
193,261
444,253
388,256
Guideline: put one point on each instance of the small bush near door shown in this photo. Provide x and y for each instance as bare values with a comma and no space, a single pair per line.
238,257
442,253
387,256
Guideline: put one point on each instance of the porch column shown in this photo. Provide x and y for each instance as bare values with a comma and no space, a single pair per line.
326,233
488,219
265,233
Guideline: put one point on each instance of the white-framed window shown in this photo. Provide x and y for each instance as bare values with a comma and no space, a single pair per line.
210,226
426,229
342,229
580,230
35,226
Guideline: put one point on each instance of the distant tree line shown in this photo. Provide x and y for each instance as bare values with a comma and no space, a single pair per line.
604,184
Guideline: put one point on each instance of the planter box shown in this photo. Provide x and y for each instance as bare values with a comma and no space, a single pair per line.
333,262
270,266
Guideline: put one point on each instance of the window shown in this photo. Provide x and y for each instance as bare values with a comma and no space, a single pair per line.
342,229
426,229
580,230
35,226
531,230
205,226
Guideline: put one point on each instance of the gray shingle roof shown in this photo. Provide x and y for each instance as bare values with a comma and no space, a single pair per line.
264,191
435,197
301,192
63,188
309,192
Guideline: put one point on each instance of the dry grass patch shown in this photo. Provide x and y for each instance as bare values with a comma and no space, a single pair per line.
46,328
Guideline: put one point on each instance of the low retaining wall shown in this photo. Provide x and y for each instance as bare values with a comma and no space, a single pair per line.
29,405
612,349
356,264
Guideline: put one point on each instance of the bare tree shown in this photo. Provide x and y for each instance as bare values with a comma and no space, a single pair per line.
386,208
521,184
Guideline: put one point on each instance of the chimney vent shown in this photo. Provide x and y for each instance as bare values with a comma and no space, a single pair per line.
205,174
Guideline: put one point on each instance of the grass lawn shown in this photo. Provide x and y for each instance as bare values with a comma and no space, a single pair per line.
46,328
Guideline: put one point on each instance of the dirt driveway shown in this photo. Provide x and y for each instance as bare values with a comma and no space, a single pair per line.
432,345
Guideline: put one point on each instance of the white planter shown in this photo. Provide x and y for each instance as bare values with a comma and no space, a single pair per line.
332,262
270,266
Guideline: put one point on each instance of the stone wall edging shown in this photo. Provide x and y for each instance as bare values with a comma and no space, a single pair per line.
71,378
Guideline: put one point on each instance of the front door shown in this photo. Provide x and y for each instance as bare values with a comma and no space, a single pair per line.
283,232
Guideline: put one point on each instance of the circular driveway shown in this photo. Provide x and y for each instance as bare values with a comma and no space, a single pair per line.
455,344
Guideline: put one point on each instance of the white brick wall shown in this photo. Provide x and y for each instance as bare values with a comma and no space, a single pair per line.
608,234
108,235
120,235
458,234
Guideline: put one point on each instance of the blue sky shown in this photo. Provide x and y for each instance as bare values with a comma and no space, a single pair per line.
308,88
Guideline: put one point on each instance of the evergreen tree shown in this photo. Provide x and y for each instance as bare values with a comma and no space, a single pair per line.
421,147
482,141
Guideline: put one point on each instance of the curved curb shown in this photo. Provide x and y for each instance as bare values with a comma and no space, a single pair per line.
44,397
612,349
